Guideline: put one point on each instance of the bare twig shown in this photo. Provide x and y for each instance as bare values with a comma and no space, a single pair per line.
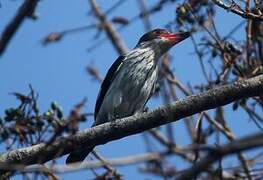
145,16
171,147
25,10
238,11
122,161
109,29
246,143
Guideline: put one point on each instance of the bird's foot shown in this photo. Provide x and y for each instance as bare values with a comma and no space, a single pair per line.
146,109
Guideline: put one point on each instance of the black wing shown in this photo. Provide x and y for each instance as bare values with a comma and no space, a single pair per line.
107,82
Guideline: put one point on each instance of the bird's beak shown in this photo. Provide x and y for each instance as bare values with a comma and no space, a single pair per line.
174,38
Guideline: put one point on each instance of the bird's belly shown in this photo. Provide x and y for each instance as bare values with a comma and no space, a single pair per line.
127,95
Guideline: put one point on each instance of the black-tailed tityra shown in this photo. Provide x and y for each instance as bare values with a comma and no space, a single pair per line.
130,81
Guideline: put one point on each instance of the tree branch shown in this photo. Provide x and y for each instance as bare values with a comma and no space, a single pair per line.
26,9
93,164
235,10
121,128
214,155
111,32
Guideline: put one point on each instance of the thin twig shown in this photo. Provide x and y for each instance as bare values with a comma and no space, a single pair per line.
26,9
246,143
233,9
109,29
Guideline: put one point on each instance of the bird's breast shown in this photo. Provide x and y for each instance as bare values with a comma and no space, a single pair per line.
130,89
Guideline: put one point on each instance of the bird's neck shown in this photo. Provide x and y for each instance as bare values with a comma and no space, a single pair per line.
147,49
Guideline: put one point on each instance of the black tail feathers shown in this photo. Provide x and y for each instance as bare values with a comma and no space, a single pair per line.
78,156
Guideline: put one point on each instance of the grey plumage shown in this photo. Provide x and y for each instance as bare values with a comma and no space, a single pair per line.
131,87
129,82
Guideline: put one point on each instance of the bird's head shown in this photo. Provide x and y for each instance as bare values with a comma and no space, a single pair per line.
161,39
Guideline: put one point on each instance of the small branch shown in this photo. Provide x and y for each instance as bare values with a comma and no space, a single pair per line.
26,9
249,142
138,123
109,29
170,146
116,162
233,9
104,162
145,15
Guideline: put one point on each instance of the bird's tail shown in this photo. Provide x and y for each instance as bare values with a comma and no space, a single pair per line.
78,156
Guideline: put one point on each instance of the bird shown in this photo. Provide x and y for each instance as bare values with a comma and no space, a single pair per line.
130,81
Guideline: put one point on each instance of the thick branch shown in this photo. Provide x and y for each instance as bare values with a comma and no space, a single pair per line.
121,128
26,9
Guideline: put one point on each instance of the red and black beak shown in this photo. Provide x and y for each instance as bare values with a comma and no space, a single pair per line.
174,38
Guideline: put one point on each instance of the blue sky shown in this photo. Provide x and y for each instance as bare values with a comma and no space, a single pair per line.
57,71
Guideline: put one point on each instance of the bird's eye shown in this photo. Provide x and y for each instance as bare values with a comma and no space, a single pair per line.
158,32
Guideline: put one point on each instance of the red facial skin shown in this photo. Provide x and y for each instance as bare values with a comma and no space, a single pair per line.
175,38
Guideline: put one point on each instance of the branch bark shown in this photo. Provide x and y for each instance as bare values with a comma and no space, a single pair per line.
138,123
26,9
